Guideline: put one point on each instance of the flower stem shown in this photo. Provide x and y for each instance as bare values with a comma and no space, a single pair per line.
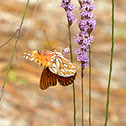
111,61
82,94
89,86
18,34
71,55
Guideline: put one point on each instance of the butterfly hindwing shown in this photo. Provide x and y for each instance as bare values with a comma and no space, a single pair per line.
40,57
65,81
47,79
61,66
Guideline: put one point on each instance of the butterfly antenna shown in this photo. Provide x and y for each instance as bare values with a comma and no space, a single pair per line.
47,40
9,39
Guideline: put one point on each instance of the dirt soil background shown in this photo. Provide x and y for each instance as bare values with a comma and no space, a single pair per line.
24,103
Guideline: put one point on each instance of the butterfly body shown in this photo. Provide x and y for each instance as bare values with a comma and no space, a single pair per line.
56,67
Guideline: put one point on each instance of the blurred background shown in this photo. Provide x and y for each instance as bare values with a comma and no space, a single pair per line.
24,103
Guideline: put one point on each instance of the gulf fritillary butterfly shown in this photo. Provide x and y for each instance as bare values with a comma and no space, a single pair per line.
56,67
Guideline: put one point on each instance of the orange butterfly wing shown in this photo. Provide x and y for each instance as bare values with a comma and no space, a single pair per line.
65,81
47,79
56,67
40,57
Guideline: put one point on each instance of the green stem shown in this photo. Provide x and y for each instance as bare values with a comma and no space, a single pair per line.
74,102
82,94
71,55
18,34
69,31
89,86
111,61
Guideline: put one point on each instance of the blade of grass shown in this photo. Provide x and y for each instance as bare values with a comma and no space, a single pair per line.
71,55
18,35
110,71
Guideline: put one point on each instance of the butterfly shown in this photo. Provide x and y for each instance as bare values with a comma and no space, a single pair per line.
56,67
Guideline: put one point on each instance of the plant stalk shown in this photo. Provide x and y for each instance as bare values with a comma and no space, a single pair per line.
18,35
82,95
110,71
89,86
71,55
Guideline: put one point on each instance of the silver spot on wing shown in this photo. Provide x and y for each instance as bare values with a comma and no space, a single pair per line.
65,69
62,70
72,66
63,58
60,60
69,63
32,59
67,75
58,53
34,51
54,65
51,70
29,54
55,71
51,60
61,73
57,63
71,71
65,65
53,56
26,57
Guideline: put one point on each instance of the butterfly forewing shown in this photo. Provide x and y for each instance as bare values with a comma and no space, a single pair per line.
61,66
40,57
47,79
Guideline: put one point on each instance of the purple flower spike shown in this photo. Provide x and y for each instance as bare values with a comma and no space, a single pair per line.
86,26
68,8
